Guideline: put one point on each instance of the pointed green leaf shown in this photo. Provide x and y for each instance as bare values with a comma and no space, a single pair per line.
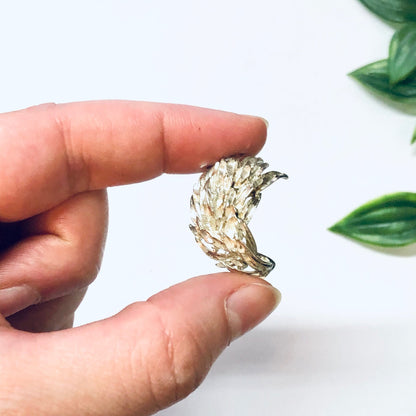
376,77
414,137
388,221
393,10
402,54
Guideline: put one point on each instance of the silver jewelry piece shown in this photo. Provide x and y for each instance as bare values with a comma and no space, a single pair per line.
222,205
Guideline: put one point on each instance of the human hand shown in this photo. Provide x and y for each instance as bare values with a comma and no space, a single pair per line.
56,161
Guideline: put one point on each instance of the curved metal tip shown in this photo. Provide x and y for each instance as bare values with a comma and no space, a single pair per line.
282,176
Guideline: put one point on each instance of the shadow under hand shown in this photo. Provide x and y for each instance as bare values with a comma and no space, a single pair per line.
308,352
316,370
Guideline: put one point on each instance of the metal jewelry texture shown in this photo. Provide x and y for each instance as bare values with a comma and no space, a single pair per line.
222,205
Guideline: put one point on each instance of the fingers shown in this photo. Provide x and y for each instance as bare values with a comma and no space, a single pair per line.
61,253
52,315
52,152
143,359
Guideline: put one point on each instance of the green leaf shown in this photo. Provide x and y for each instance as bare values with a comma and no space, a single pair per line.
414,137
388,221
393,10
402,54
376,77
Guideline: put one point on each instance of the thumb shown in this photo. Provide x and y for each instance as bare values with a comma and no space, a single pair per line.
143,359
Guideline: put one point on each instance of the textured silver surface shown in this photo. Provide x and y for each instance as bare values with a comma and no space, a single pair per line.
222,204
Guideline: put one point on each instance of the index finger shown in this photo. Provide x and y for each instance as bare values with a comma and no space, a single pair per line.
51,152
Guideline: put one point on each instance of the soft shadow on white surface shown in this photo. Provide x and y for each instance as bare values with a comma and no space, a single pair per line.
408,251
405,251
323,371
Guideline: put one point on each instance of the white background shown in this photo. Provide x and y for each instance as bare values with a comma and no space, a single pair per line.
343,340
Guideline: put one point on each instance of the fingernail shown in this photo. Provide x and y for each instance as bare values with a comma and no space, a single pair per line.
261,118
14,299
250,305
265,121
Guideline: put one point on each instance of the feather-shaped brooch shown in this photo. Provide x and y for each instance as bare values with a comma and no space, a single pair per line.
222,205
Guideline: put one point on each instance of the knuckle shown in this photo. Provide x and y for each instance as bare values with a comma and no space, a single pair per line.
78,174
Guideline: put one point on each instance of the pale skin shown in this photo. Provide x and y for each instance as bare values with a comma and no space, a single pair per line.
56,162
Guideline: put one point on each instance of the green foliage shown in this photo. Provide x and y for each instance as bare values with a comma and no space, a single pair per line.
414,137
389,221
400,11
402,54
376,77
